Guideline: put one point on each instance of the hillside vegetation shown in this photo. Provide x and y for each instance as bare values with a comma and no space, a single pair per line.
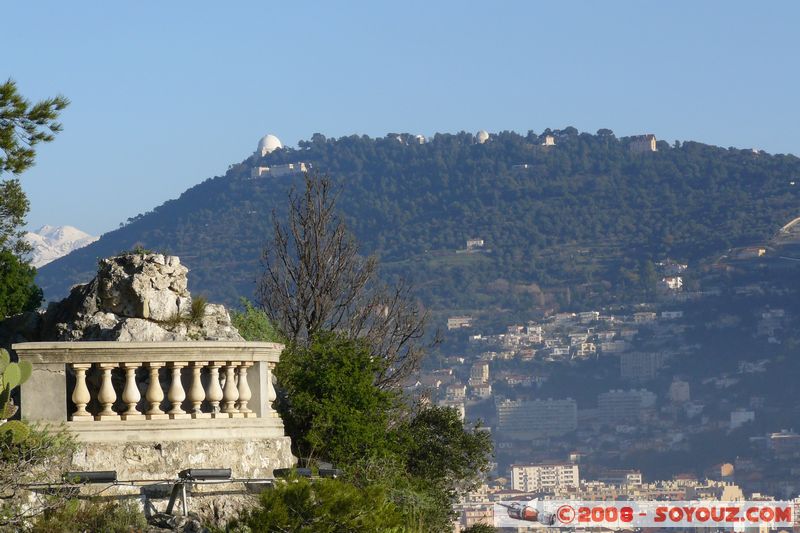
580,223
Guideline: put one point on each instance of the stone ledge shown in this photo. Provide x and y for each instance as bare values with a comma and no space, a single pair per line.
190,430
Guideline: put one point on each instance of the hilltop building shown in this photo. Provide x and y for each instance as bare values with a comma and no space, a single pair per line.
549,140
643,143
474,244
277,171
482,136
268,144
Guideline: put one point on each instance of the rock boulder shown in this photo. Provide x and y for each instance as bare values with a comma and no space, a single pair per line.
134,297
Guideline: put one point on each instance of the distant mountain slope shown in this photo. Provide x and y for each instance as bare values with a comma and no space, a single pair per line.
586,215
51,242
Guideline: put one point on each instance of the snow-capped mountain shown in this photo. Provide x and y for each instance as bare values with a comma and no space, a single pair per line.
51,242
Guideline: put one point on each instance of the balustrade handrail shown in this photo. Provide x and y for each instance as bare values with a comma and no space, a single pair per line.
134,352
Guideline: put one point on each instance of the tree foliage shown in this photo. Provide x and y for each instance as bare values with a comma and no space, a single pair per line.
18,292
438,449
23,125
14,206
332,409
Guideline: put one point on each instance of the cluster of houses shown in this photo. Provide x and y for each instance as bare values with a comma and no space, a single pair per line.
565,336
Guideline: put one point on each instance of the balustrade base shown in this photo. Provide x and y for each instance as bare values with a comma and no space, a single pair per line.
179,416
131,417
159,416
107,417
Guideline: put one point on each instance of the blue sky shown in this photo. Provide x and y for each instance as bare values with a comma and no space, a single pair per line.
167,94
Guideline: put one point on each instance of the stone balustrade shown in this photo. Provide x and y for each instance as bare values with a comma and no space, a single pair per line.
134,391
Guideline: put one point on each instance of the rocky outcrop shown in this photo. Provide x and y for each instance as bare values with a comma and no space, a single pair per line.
135,297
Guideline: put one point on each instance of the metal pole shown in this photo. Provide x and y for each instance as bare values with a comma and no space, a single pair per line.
183,498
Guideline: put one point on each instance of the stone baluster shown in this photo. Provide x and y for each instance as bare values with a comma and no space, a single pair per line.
271,396
196,392
80,395
176,394
107,395
131,394
214,391
154,394
230,394
244,390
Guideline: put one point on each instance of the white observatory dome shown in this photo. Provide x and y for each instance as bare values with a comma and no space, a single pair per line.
482,136
268,143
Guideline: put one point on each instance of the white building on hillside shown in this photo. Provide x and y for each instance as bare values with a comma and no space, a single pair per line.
544,477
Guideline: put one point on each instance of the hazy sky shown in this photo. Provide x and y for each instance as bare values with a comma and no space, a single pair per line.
167,94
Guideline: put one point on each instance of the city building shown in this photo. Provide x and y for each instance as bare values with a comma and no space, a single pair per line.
544,477
477,514
479,373
645,317
679,391
671,283
482,391
584,350
640,367
588,316
528,419
459,322
624,407
456,392
740,417
621,477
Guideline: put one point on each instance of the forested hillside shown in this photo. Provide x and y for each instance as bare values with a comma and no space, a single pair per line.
576,223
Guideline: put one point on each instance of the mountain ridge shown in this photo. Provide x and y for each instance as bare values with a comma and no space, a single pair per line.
574,222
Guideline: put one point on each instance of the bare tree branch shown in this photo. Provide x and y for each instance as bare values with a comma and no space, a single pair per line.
315,280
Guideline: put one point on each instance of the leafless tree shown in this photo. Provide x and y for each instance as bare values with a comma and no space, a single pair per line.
315,280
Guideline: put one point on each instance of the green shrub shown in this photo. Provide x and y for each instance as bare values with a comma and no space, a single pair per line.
30,455
324,506
253,324
78,516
